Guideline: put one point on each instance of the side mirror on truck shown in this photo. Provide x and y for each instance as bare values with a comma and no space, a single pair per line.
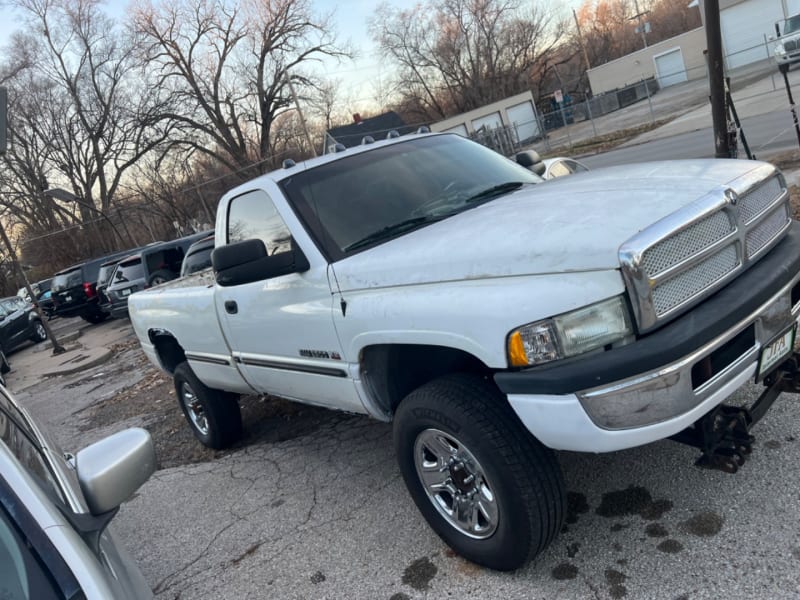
531,161
248,261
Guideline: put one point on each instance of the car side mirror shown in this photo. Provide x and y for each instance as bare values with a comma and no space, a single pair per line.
111,470
531,161
248,261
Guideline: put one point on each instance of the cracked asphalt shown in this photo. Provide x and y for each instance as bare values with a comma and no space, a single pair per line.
321,512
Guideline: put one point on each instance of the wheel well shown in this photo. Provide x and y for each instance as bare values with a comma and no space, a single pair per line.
391,371
170,352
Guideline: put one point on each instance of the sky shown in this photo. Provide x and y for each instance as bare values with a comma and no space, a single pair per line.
350,18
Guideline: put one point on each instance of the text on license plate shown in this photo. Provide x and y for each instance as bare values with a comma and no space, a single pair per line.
125,292
775,351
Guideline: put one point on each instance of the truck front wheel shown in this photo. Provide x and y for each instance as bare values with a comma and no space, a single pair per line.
490,490
213,415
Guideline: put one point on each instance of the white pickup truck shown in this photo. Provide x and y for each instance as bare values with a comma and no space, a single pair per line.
493,317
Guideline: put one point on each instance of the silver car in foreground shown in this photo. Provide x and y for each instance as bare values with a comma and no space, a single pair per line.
55,509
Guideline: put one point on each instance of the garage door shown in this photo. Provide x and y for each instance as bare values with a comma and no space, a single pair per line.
492,121
744,27
523,119
670,68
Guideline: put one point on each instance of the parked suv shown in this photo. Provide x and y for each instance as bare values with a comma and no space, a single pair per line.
103,280
74,290
152,265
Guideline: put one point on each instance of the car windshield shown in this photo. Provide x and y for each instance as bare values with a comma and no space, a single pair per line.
361,200
792,24
66,280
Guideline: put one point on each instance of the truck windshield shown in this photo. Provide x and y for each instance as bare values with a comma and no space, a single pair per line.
358,201
792,24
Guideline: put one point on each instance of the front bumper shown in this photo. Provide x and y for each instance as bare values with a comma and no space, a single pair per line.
656,403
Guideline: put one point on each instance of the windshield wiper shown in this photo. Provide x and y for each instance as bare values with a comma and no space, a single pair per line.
495,190
392,230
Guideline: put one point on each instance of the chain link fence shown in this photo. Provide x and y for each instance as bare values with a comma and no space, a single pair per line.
577,125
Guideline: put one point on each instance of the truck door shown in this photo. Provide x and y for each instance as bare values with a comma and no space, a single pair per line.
281,330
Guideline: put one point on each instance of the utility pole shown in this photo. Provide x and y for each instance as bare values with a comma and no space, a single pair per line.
57,348
580,39
716,79
639,16
300,112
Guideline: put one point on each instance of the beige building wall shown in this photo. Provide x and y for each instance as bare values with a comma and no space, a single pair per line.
641,65
466,119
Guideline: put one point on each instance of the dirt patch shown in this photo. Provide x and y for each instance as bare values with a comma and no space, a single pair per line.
151,404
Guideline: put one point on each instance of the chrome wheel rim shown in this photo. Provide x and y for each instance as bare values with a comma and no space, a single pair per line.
40,332
456,483
194,409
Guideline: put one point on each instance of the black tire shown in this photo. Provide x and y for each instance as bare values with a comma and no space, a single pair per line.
5,367
524,476
95,317
160,276
214,416
39,332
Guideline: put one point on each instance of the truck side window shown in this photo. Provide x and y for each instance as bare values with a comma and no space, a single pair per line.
253,215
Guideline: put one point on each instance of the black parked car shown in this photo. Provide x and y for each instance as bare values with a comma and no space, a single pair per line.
18,324
152,265
74,290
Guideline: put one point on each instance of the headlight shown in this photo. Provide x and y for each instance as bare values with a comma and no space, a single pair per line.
569,334
779,49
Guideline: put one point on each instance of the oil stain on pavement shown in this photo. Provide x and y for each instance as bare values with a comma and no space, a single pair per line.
419,574
615,579
565,571
704,524
634,500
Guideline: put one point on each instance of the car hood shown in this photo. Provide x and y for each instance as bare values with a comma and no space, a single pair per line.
574,223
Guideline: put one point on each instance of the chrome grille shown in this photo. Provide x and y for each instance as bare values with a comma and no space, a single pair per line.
765,231
688,284
789,45
686,243
685,257
756,200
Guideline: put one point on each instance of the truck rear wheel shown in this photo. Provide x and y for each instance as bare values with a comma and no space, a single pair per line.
213,415
490,490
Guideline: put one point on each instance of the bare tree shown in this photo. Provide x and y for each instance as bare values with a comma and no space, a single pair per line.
80,68
456,55
227,64
609,26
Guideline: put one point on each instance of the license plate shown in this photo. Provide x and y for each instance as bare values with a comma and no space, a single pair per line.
125,292
67,298
773,353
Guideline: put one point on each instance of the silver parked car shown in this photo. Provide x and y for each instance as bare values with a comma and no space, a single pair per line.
55,509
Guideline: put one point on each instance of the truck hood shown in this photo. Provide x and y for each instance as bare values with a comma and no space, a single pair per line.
575,223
